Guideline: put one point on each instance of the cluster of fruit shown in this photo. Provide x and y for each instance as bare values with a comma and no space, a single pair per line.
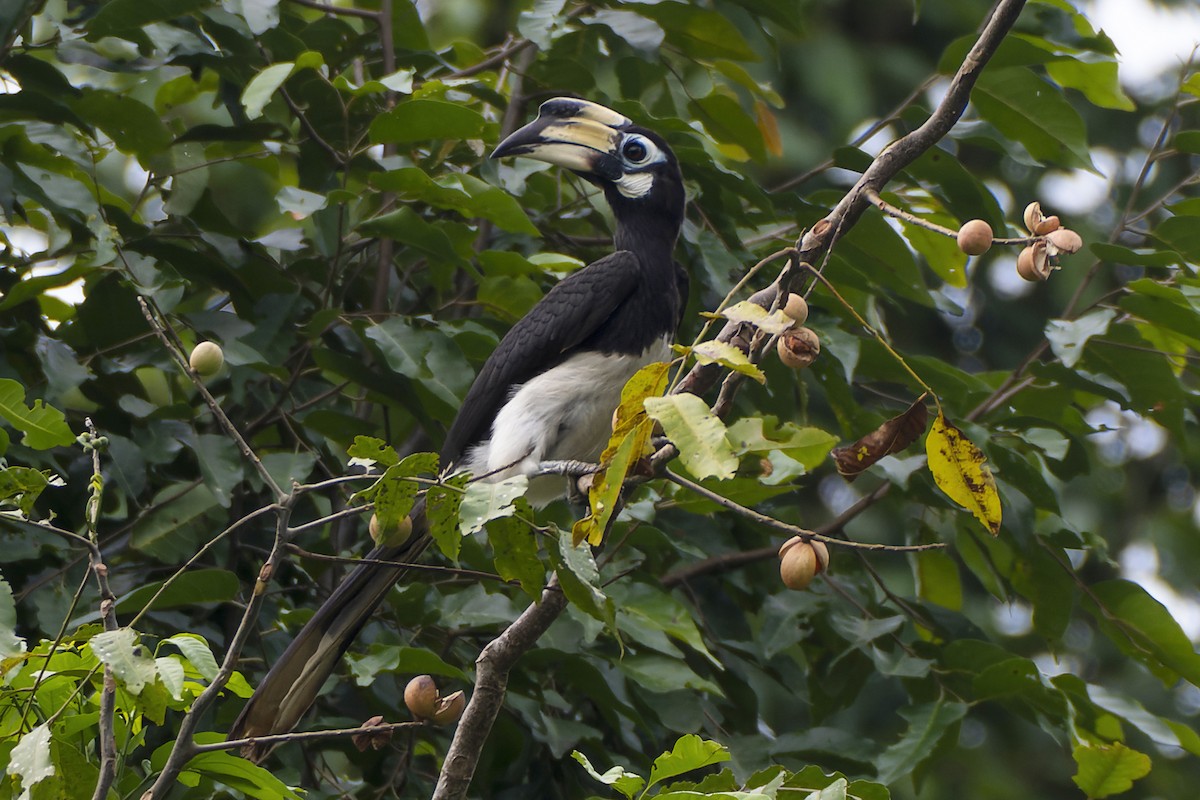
1040,257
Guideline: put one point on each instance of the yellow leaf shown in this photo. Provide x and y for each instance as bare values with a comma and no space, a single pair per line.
960,470
630,440
768,127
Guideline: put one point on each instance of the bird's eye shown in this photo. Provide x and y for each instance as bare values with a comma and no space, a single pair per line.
635,150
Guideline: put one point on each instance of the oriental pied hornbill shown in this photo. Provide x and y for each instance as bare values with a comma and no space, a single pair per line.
549,389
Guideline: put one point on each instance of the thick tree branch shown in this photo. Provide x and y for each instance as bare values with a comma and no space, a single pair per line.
820,239
491,680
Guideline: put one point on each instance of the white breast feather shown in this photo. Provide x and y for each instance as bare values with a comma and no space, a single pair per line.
564,413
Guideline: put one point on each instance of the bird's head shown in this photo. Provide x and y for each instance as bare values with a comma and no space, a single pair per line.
634,166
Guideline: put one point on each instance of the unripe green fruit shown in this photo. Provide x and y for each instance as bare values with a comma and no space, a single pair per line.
207,359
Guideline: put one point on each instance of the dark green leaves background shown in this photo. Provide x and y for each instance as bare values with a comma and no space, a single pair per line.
276,182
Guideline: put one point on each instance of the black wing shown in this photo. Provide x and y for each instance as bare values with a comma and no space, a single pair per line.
566,316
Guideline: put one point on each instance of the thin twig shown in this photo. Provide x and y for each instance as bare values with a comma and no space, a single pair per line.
305,736
175,348
185,747
792,530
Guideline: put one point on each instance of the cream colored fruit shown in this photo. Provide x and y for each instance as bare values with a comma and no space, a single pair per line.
796,307
421,697
391,536
975,237
800,561
207,358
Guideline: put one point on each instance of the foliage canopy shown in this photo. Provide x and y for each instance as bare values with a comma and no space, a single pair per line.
308,186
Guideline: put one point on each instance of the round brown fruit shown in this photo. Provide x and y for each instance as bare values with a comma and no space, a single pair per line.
1033,263
798,565
798,347
975,237
390,535
421,697
449,708
1065,240
796,307
207,358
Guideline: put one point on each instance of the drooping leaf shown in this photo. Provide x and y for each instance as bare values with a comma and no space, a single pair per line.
196,650
891,437
1026,108
960,470
196,587
441,510
630,440
579,578
515,550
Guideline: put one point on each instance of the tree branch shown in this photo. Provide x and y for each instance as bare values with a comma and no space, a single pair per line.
491,680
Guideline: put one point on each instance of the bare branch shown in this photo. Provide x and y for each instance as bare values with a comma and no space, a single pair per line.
491,679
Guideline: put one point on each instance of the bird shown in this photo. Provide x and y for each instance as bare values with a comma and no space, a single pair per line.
548,390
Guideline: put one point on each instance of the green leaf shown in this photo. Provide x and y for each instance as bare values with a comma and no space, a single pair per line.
196,587
927,724
515,551
441,511
1143,628
1096,79
689,753
120,16
196,650
580,579
625,782
1067,339
728,356
221,464
1106,770
30,759
725,120
1033,112
1180,233
181,519
418,120
697,432
239,774
698,32
11,644
128,660
485,501
405,225
368,448
21,487
262,87
44,426
807,445
133,126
